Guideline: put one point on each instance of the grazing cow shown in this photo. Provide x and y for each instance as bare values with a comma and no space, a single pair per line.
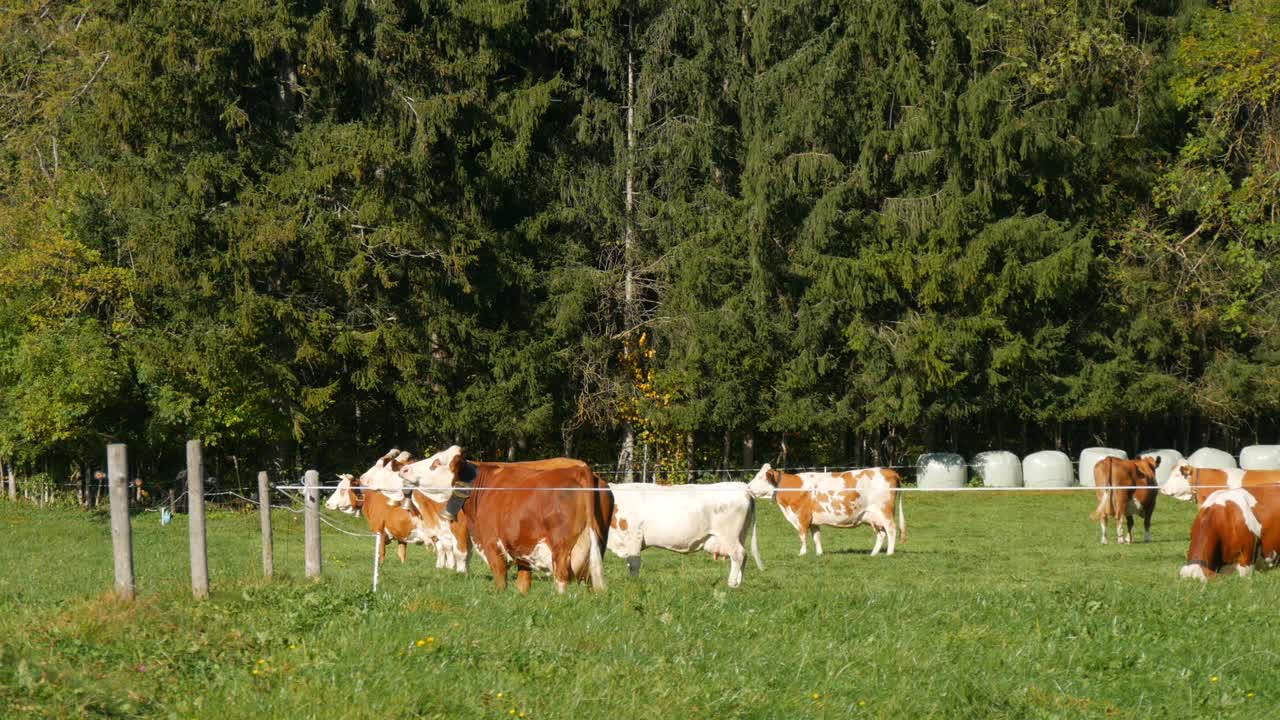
684,519
1239,527
844,499
550,515
1118,499
1188,482
379,496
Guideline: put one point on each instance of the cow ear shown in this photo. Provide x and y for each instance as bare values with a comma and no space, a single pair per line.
455,464
1156,464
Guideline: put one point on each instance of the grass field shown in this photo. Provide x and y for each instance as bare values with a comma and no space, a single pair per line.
997,606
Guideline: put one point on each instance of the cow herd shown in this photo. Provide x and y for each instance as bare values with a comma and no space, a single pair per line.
558,517
1237,524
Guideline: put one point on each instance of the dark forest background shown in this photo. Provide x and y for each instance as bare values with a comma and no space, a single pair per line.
696,233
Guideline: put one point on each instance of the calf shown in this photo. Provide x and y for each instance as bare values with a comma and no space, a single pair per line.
1188,482
845,499
1234,527
684,519
1125,487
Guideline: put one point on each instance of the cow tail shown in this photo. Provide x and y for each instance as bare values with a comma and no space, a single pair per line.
902,519
1119,500
595,562
1104,500
751,518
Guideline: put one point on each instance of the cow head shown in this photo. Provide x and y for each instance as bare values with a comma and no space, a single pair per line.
438,475
385,477
765,481
1178,484
345,499
1146,466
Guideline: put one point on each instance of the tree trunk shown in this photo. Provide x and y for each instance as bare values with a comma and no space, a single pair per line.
749,449
627,455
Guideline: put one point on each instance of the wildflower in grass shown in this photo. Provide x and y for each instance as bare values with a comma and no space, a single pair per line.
499,695
430,639
817,696
256,671
512,711
261,661
420,643
1248,695
1213,679
862,703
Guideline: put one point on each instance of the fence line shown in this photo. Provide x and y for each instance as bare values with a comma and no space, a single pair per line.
710,488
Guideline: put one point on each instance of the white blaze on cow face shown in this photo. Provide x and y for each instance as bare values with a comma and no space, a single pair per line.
760,486
383,477
343,499
435,473
1179,483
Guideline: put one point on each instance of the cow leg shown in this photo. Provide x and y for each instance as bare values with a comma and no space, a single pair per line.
562,570
1102,523
737,559
1146,524
402,550
817,540
633,564
498,564
524,579
880,538
891,530
804,538
1128,529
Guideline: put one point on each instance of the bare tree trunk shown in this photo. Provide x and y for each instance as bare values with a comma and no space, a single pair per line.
724,455
689,457
749,449
626,458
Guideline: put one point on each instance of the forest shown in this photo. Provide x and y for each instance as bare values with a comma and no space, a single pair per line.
688,234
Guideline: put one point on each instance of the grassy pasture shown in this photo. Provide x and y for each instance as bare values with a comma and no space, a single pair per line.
997,606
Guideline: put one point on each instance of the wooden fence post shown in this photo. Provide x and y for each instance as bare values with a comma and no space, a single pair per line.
195,518
121,531
264,517
312,524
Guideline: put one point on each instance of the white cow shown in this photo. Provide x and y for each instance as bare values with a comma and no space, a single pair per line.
684,519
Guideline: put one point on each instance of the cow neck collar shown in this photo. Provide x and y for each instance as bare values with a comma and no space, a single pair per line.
462,487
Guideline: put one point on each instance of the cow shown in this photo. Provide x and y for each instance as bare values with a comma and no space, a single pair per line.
836,499
1235,527
684,519
378,495
1125,487
1190,483
550,515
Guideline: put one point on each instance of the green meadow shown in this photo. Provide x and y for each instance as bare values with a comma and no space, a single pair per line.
996,606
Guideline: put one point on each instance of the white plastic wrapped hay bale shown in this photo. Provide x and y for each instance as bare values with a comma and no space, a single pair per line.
1260,457
1092,456
998,468
1047,469
1207,457
941,470
1168,458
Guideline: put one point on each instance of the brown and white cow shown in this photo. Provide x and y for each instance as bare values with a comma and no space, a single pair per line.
1125,487
843,499
550,515
714,517
1236,527
378,495
1188,482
